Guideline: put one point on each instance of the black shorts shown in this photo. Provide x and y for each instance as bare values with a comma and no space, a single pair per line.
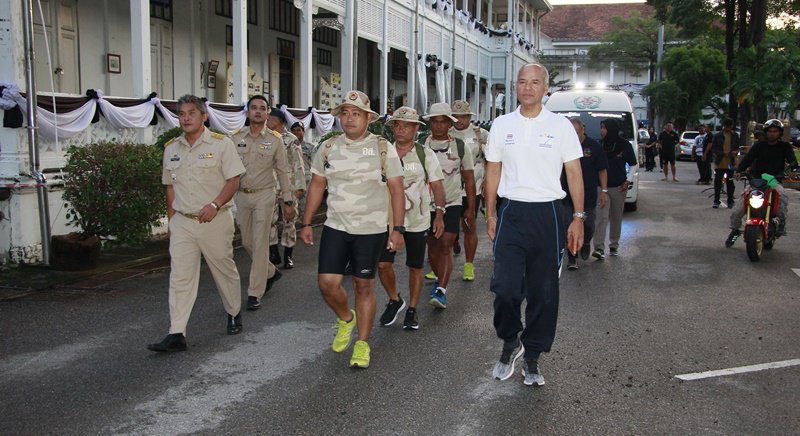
478,202
452,218
415,250
338,248
668,157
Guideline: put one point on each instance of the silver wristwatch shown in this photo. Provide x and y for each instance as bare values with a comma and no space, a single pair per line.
581,215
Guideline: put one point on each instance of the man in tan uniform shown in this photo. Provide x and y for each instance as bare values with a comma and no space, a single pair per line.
201,172
297,176
264,156
356,168
475,141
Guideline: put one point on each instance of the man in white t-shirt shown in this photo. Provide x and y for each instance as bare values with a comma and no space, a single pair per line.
525,154
421,175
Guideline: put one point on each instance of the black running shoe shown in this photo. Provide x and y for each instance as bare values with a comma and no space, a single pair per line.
411,322
586,250
531,372
732,237
392,308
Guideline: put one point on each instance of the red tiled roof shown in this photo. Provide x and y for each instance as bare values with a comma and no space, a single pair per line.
587,22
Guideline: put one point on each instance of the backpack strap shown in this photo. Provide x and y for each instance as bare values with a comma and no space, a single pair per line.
420,149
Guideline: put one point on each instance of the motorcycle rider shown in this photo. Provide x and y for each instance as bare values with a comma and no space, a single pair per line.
768,156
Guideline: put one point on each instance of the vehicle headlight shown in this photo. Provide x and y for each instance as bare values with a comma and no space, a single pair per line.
756,199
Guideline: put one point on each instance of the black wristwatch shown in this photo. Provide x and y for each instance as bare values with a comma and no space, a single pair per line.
288,203
400,229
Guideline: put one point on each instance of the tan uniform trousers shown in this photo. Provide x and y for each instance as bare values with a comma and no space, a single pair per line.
188,240
254,217
288,228
609,219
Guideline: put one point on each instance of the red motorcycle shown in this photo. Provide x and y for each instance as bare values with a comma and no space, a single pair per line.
760,229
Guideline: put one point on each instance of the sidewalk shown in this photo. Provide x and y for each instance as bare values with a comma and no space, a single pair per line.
115,264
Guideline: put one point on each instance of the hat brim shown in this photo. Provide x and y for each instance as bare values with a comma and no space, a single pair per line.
464,113
391,121
338,110
428,117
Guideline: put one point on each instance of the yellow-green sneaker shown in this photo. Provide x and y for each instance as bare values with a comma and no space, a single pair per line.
344,333
360,357
469,272
430,276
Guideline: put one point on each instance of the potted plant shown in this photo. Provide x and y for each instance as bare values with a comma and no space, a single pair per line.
112,192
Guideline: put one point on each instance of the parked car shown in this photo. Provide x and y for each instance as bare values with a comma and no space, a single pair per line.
685,144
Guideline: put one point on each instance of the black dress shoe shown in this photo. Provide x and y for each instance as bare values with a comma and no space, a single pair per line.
271,281
171,343
234,324
253,303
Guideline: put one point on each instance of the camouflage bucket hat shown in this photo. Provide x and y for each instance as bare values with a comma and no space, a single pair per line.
462,107
440,109
360,101
405,113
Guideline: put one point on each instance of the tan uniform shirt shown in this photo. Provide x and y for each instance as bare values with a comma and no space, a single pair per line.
447,153
294,154
358,200
475,141
418,195
264,157
197,173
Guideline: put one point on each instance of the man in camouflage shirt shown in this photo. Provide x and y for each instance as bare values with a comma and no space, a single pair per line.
457,166
475,141
277,122
421,175
356,168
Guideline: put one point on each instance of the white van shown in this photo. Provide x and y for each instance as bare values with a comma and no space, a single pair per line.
593,106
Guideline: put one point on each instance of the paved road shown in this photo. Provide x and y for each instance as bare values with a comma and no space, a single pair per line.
675,302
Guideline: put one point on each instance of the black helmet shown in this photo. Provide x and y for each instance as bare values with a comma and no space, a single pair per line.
773,123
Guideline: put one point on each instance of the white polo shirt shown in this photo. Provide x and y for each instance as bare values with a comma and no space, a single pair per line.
533,152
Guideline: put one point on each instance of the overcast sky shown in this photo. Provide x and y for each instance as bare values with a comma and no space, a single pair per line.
589,2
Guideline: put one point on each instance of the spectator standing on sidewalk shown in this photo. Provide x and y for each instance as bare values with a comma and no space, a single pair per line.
668,139
650,150
723,150
619,153
264,157
594,168
201,173
421,176
525,155
356,168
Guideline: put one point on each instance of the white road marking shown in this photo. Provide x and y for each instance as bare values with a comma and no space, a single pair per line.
205,399
796,271
739,370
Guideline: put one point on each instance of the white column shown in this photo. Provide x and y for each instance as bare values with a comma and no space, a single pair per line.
574,72
510,57
348,38
306,58
490,17
384,78
463,86
476,97
478,9
611,73
239,10
140,48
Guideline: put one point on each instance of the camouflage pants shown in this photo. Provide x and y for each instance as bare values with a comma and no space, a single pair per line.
288,228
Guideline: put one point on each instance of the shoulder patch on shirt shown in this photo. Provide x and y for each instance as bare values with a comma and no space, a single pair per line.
275,134
216,135
237,131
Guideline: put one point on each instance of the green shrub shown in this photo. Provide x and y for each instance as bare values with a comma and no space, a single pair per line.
114,191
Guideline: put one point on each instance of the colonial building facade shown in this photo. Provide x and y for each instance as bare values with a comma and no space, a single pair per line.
303,54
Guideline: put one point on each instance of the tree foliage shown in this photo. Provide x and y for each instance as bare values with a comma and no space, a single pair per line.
633,45
768,73
700,73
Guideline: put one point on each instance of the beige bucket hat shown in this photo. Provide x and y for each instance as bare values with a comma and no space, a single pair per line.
440,109
359,100
405,113
462,107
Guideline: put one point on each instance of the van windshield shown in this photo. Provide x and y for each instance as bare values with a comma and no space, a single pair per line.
592,121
